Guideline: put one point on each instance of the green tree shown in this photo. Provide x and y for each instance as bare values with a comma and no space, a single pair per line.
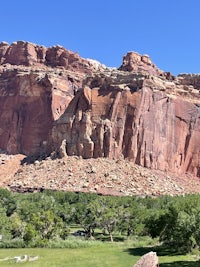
196,230
155,223
181,233
4,224
83,215
131,218
106,213
17,226
47,224
7,201
30,235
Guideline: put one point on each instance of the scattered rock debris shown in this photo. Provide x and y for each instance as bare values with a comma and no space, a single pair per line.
102,176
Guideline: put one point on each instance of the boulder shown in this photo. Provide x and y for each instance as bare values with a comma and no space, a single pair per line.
148,260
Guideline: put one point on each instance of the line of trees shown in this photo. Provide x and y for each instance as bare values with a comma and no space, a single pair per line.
37,218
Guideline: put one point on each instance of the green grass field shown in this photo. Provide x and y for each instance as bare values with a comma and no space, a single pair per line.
104,255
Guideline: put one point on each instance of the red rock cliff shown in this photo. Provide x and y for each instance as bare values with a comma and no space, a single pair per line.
142,118
138,111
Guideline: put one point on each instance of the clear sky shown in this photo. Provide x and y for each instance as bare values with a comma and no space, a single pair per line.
167,30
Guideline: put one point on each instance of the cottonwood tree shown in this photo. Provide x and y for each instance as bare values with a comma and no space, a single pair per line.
47,224
131,218
83,215
106,213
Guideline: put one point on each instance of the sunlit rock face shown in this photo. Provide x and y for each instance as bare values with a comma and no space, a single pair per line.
138,112
140,118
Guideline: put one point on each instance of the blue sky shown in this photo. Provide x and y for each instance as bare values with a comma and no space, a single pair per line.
166,30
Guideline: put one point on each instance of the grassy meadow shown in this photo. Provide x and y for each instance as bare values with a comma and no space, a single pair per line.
118,254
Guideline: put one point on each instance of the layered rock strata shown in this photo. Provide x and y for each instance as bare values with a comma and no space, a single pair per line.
50,97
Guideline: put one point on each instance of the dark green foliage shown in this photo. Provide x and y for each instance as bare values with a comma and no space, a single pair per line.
7,201
177,223
156,223
38,218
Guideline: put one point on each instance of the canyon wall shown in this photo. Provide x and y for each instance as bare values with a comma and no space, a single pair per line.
51,96
139,120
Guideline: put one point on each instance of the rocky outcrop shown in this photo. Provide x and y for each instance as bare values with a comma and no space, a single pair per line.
133,61
148,260
52,99
29,54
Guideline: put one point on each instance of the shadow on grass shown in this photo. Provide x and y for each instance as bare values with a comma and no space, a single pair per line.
160,250
181,264
164,251
106,238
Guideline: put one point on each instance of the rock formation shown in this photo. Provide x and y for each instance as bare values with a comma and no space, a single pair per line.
147,119
133,61
138,112
30,100
28,54
148,260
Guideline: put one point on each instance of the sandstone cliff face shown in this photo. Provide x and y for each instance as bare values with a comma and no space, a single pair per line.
141,119
36,86
30,100
137,112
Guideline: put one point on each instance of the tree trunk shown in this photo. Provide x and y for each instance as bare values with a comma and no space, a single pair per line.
111,237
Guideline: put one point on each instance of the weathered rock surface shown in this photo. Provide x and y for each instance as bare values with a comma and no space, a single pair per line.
30,100
29,54
147,119
137,112
9,165
133,61
148,260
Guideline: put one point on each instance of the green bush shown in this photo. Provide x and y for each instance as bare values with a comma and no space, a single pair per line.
13,243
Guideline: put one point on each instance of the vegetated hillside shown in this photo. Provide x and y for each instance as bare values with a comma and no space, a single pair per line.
52,98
